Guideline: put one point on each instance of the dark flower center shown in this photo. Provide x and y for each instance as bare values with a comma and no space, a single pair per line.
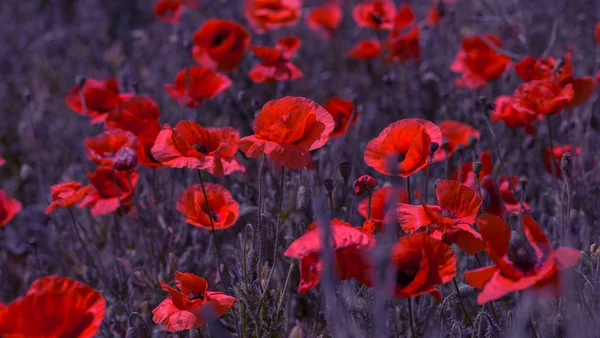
406,276
376,18
449,214
195,295
215,216
521,253
219,38
201,149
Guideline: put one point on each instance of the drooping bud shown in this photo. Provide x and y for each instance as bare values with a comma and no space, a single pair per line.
566,163
328,183
365,183
125,159
477,165
345,169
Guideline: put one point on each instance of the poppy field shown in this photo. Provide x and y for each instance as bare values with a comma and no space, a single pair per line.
300,168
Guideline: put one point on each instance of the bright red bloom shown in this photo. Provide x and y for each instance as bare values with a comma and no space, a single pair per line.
479,63
100,98
583,88
189,145
597,33
67,194
103,148
223,209
275,64
527,263
379,206
186,308
451,221
195,84
111,190
348,244
406,139
341,111
266,15
169,11
421,262
287,129
75,309
365,183
544,97
378,14
229,146
366,50
224,42
9,208
405,17
552,158
504,111
404,47
325,19
457,134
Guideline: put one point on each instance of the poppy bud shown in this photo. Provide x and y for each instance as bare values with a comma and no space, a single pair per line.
433,147
472,140
520,252
345,169
125,159
477,165
566,163
131,333
523,181
465,290
364,183
80,81
328,185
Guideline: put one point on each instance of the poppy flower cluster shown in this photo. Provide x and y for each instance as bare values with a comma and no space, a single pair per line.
275,64
76,310
478,61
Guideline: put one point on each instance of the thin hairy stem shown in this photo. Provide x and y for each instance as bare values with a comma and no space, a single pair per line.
462,305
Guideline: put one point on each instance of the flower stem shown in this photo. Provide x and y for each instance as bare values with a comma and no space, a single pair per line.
462,305
369,208
258,230
408,188
410,318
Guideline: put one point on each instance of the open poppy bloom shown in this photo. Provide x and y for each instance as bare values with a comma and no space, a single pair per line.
452,221
519,263
229,146
99,98
404,47
552,158
275,64
138,115
111,190
67,194
341,111
479,63
366,50
348,244
223,41
457,134
403,144
421,263
170,11
9,208
195,84
224,210
287,129
514,118
379,201
378,14
365,183
192,306
545,97
103,148
325,19
189,145
82,310
266,15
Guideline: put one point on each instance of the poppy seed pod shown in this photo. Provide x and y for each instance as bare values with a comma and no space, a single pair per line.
433,147
345,169
566,163
477,165
523,181
329,185
125,159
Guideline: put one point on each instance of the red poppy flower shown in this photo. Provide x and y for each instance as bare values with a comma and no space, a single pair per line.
451,221
67,194
433,16
552,158
583,88
325,19
407,139
76,310
379,201
421,262
287,129
100,98
366,50
229,146
378,14
275,62
404,47
348,244
223,208
504,111
224,42
103,148
457,134
169,11
543,97
111,190
597,33
9,208
405,17
266,15
186,308
364,183
189,145
523,264
341,111
2,160
194,84
479,63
